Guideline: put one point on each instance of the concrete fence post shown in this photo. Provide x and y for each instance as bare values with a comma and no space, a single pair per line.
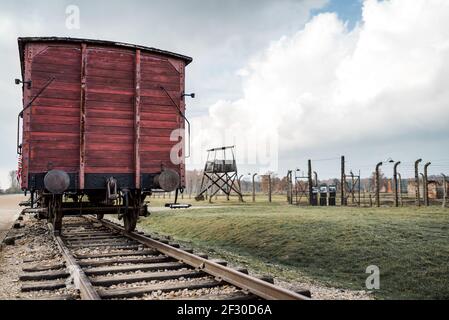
342,182
396,185
444,190
269,188
417,195
426,184
378,183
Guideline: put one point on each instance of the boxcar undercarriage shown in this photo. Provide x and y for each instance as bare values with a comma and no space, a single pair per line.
54,198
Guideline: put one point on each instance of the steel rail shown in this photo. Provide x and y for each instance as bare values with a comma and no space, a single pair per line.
256,286
80,280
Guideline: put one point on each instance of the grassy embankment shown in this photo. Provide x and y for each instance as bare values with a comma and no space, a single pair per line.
331,245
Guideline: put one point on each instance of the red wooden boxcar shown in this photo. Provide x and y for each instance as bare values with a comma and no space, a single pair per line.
97,123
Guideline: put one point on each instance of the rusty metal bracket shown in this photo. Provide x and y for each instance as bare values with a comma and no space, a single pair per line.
181,114
20,115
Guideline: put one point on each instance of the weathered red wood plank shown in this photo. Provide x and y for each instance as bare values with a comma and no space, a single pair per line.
111,163
156,116
65,77
112,130
156,147
55,111
110,106
110,147
110,65
160,78
54,119
154,155
95,81
54,164
56,84
163,140
56,68
58,94
111,54
111,122
156,132
109,97
161,70
94,155
160,124
157,108
109,91
52,102
49,135
159,93
164,101
111,74
106,169
37,152
109,138
61,60
52,50
110,114
56,145
55,128
157,85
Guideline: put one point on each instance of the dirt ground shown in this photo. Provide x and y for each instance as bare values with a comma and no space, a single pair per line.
9,211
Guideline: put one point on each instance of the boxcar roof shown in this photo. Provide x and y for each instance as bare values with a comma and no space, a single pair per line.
23,40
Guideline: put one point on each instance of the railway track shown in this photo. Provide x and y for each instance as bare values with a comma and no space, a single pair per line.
103,261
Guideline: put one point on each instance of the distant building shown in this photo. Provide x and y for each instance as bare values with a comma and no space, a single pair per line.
435,190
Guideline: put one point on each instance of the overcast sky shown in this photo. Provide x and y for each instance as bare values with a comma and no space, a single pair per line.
367,79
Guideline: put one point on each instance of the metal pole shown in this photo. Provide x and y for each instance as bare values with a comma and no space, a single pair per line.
422,177
400,188
342,182
417,196
190,189
426,185
240,183
352,188
316,178
254,187
395,177
309,176
378,184
360,185
444,190
269,188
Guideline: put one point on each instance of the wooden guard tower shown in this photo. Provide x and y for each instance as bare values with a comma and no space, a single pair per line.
220,174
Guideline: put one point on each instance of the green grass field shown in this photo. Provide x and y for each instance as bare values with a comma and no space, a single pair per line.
331,245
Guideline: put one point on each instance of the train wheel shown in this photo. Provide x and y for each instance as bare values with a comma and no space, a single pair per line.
130,221
56,214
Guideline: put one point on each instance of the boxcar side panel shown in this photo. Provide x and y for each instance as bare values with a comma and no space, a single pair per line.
159,113
129,98
109,110
51,126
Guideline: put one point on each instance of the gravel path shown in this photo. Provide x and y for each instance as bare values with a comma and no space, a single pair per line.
9,211
36,247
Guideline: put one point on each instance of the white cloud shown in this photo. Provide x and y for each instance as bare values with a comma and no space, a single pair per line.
326,84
